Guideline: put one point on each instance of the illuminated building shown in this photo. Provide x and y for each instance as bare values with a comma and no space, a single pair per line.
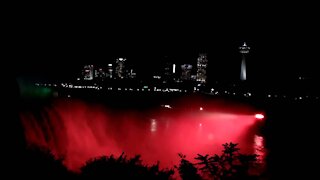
202,63
109,73
132,74
244,49
186,71
173,68
120,68
169,71
193,77
99,73
88,72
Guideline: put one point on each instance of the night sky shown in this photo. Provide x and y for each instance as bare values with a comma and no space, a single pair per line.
284,41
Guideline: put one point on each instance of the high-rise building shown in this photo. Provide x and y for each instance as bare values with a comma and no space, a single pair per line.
109,73
173,68
169,71
120,68
99,73
87,72
193,77
202,63
132,74
186,71
244,50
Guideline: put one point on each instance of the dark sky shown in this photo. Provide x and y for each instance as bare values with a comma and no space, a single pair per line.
284,41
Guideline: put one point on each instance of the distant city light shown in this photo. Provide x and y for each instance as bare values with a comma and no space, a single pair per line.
153,127
95,77
174,68
259,116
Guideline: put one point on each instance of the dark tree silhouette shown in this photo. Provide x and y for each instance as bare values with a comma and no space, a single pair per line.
187,170
110,167
41,163
231,164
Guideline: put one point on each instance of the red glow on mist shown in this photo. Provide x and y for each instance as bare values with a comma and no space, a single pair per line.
79,131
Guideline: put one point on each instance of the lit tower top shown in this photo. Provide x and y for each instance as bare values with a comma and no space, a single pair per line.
244,49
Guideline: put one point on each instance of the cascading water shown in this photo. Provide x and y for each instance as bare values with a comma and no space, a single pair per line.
78,131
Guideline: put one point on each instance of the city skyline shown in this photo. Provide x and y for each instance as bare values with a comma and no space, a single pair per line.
41,44
220,67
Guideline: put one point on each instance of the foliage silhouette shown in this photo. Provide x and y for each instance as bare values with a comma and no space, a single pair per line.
41,163
187,170
122,168
231,164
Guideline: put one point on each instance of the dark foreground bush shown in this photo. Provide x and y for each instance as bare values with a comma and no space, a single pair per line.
109,167
231,164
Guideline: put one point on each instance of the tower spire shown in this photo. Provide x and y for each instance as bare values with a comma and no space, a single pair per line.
244,49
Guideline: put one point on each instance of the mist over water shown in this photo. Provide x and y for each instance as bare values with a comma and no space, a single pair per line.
79,130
